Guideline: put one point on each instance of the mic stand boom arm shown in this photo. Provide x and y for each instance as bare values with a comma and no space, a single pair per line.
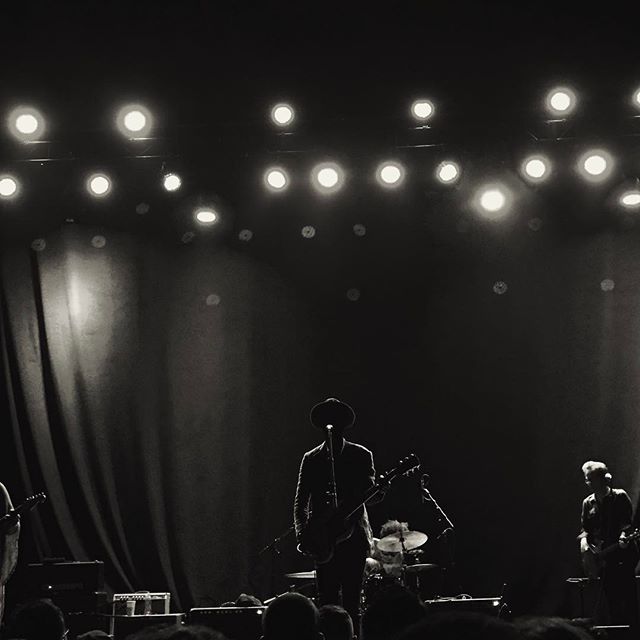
442,516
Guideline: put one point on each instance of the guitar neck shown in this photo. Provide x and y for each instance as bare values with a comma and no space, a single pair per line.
371,493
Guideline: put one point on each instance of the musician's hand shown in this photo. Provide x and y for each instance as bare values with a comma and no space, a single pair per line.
9,522
623,541
584,545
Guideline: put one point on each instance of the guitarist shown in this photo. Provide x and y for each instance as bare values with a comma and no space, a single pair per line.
606,520
9,534
354,474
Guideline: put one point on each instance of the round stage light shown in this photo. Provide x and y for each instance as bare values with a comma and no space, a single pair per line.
327,177
171,182
422,109
493,201
595,165
134,121
8,187
561,101
636,98
630,199
98,185
206,215
282,114
448,172
390,174
26,124
536,168
276,179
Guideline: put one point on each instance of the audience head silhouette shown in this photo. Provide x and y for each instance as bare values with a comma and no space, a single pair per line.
335,623
36,620
291,616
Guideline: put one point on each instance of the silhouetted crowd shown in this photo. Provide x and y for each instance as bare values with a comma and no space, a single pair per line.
395,614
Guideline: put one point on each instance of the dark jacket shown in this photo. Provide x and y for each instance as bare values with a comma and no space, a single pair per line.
355,474
604,522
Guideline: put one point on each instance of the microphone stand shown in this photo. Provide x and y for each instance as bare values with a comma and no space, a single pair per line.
443,519
333,491
274,546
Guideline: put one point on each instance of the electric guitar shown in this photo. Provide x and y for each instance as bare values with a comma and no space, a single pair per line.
10,519
594,558
324,531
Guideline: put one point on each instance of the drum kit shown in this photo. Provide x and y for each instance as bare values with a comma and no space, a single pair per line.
422,579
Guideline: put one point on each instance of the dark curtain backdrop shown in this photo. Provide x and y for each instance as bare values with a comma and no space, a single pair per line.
168,431
156,420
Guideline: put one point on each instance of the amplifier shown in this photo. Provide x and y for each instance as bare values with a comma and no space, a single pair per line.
489,606
141,603
124,626
236,623
79,601
66,576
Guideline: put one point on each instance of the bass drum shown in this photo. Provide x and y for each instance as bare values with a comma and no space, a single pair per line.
374,585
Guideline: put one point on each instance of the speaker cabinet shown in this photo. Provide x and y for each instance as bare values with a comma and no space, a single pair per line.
236,623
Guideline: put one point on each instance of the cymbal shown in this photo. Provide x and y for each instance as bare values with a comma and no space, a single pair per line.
302,575
392,543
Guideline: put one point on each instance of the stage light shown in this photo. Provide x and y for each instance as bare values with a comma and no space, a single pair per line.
636,98
422,110
390,174
327,177
595,165
134,121
282,114
560,101
536,168
493,201
206,215
26,124
8,187
276,179
98,185
448,172
630,199
171,182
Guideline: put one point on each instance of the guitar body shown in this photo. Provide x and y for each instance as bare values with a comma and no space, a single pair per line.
323,533
330,526
595,557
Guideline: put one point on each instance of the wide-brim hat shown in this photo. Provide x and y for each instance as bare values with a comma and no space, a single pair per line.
334,412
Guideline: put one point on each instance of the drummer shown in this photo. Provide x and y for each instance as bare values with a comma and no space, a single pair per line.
389,562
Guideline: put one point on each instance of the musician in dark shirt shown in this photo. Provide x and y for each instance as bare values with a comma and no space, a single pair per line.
606,521
354,475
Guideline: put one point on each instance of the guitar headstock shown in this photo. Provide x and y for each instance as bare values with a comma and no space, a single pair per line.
31,502
405,467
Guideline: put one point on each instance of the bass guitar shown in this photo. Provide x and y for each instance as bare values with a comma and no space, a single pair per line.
594,558
323,532
9,520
